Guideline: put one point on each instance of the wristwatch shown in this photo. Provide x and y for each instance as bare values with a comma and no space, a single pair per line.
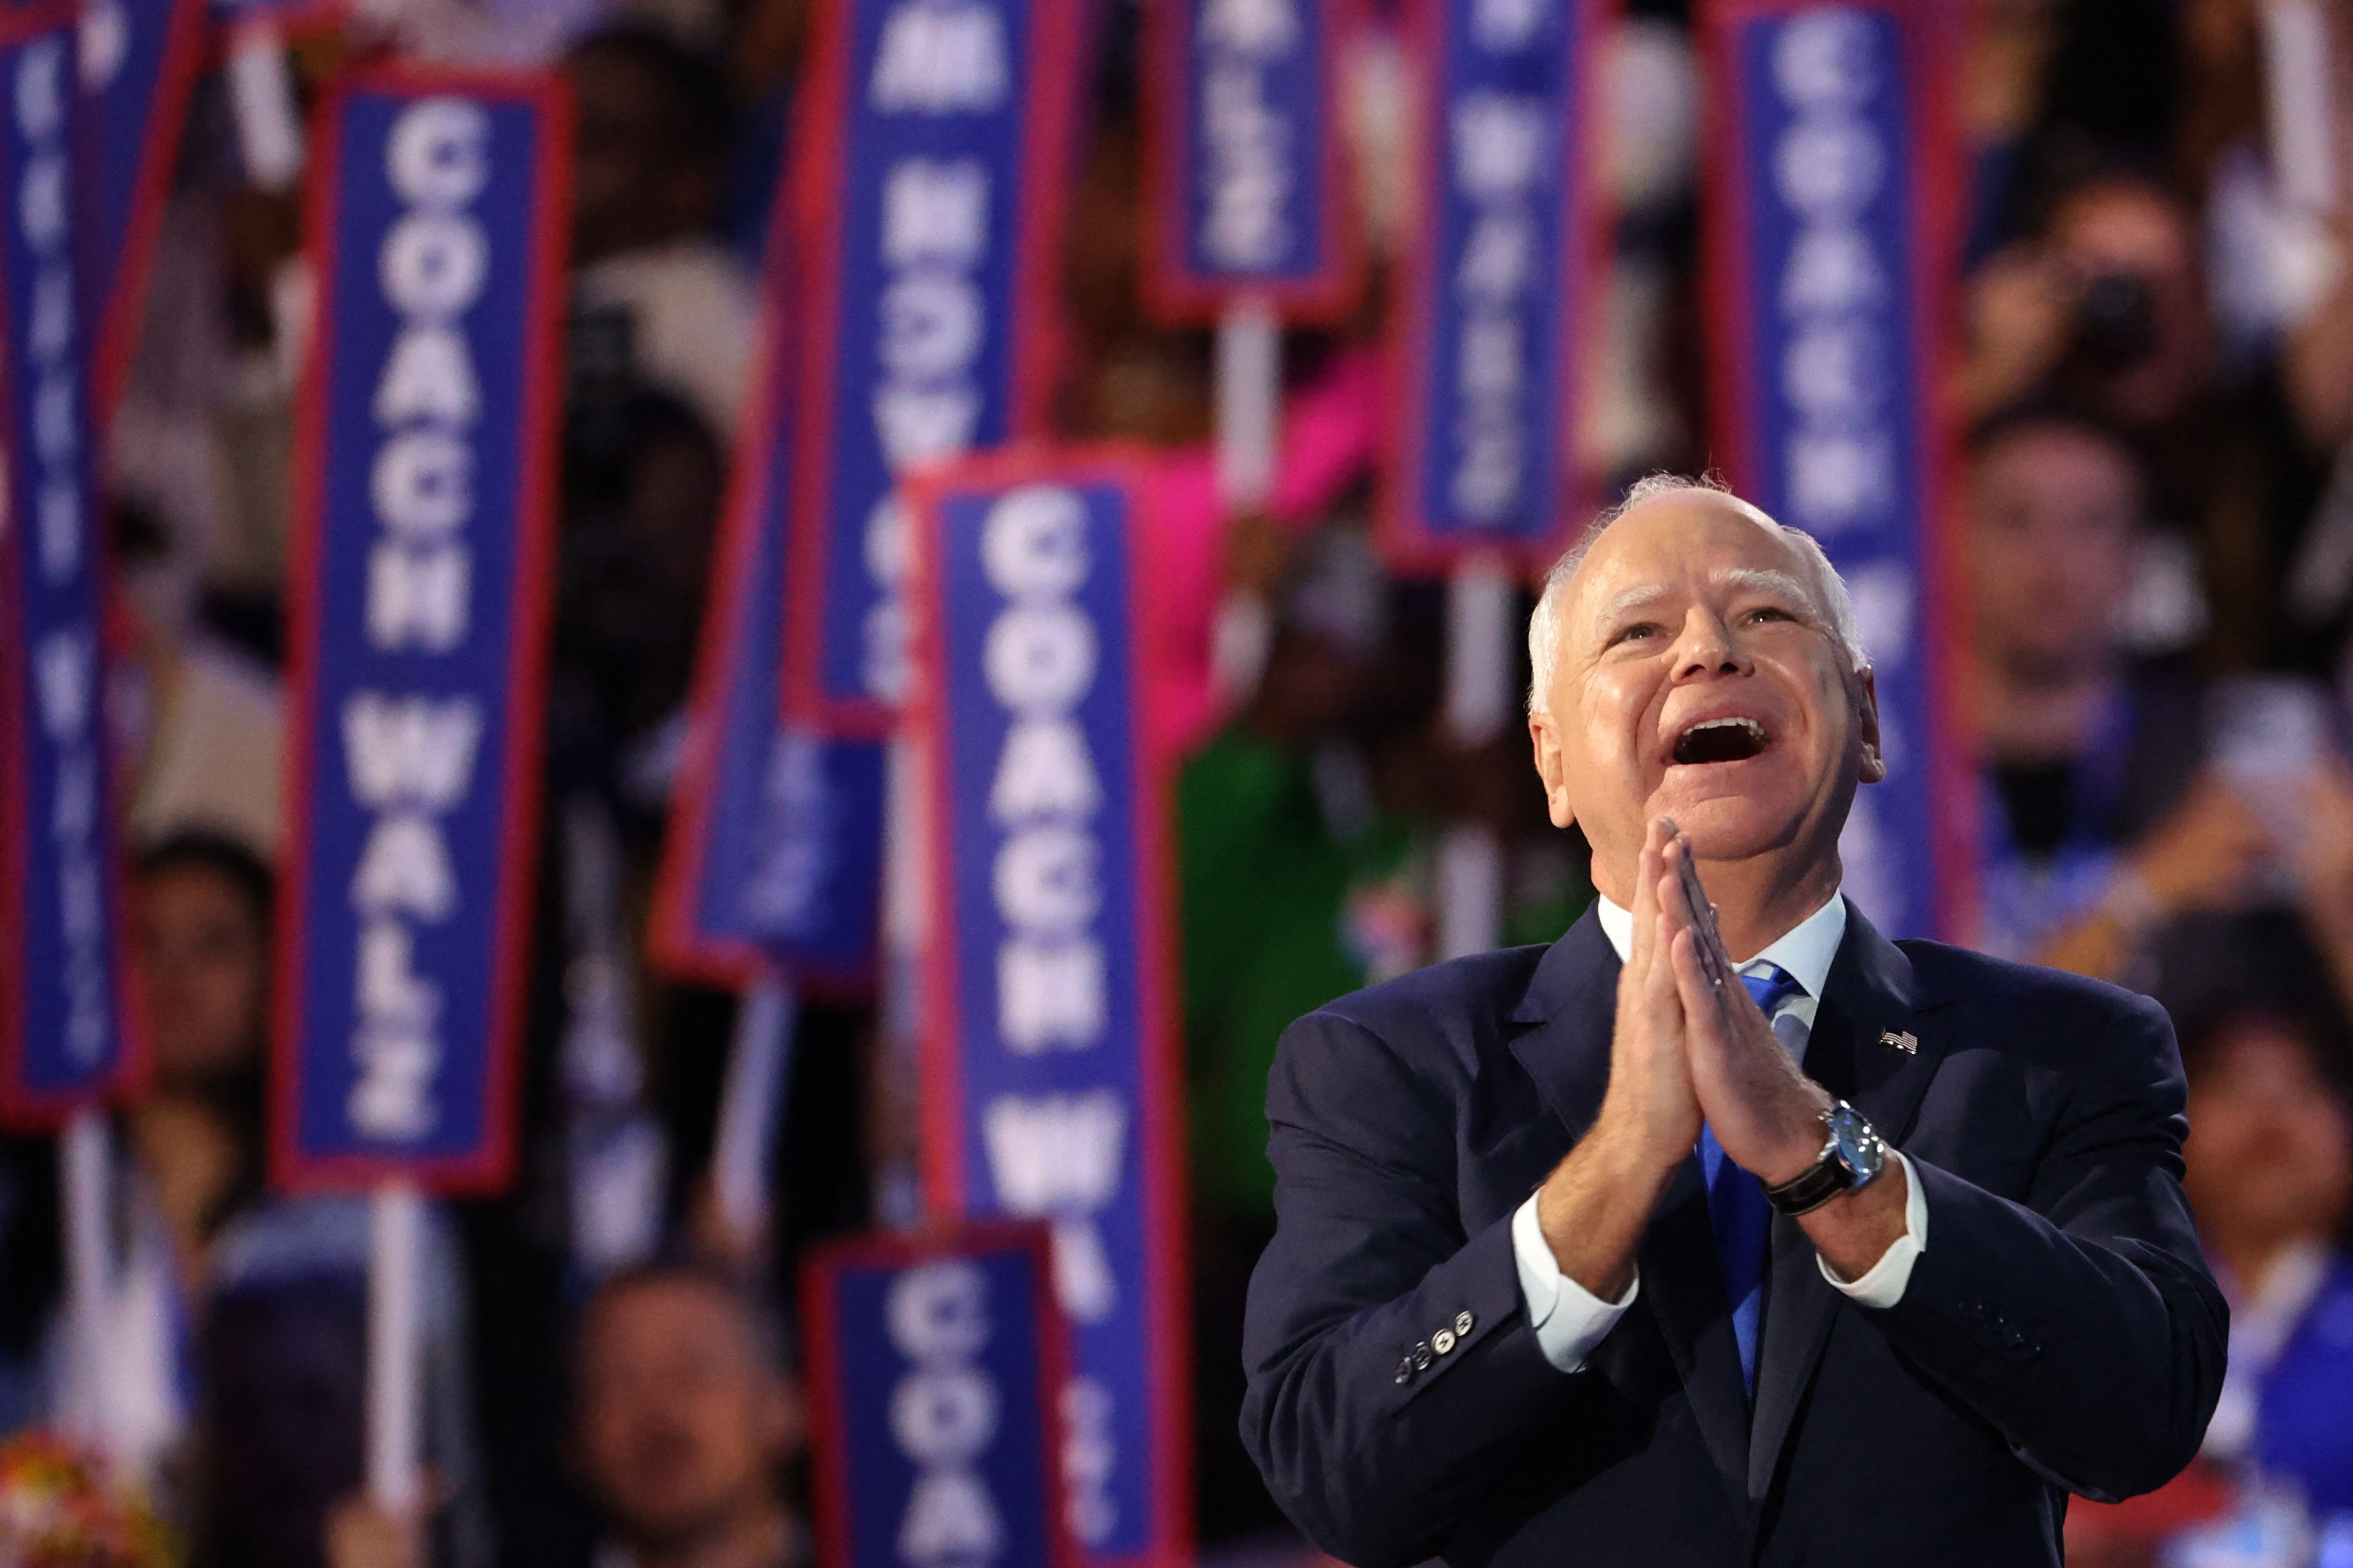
1851,1159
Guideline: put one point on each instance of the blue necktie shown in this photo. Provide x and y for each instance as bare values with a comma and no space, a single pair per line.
1736,1209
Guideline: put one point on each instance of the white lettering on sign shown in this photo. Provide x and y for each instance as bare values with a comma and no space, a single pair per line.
418,597
430,376
1502,25
941,58
1829,163
800,826
935,211
1089,1456
932,321
410,751
1050,995
943,1414
1045,768
1251,139
1501,157
65,673
408,758
1059,1157
1039,658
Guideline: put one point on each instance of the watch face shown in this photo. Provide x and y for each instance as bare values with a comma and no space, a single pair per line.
1859,1147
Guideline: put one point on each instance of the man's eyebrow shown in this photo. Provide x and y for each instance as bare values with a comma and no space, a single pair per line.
1626,599
1764,579
1758,579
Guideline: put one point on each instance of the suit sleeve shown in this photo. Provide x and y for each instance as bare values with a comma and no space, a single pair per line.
1370,1437
2082,1324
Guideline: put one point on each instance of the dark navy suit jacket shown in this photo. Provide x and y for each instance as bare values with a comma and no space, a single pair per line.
2060,1331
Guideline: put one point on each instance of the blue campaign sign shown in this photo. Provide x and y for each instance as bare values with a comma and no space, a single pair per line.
422,565
1830,270
1246,182
935,1367
1050,1077
139,63
775,852
66,1037
936,158
1499,294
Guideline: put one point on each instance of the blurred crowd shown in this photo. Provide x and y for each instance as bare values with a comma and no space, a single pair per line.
2153,512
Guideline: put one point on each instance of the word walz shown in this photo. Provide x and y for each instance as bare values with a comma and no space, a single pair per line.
409,755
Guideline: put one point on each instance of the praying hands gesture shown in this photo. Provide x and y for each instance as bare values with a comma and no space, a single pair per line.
1692,1046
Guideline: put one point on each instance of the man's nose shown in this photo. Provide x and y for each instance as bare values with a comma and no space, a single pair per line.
1706,649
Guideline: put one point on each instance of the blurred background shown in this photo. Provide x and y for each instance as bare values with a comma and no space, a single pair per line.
2151,399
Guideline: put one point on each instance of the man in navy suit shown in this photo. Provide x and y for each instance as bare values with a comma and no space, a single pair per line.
1631,1250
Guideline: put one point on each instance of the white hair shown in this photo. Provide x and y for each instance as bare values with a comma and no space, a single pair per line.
1544,627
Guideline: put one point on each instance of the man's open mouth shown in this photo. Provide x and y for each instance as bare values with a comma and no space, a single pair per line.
1728,739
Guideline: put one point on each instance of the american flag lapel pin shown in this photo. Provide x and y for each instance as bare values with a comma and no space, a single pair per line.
1902,1039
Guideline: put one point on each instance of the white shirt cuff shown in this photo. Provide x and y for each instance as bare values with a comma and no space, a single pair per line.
1882,1287
1569,1319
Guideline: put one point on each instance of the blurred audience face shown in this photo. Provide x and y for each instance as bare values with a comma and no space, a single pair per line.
682,1418
638,181
2144,335
1690,610
640,509
2271,1143
203,956
2055,522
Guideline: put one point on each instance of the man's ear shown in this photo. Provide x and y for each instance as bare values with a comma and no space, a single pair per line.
1545,739
1866,718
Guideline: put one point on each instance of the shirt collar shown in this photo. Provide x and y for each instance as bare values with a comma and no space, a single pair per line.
1805,951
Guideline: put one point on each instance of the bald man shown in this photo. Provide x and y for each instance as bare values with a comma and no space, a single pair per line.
1723,1230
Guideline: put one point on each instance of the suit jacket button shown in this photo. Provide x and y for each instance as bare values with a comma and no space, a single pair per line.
1405,1370
1421,1356
1442,1340
1462,1324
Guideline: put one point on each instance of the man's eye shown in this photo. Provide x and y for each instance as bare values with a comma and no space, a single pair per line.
1639,630
1770,612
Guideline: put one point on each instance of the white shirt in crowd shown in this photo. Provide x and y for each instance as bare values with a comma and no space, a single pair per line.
694,313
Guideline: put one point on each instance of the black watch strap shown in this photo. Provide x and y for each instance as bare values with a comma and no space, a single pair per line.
1812,1187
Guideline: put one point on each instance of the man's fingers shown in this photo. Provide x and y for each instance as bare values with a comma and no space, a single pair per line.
1660,983
1703,911
1701,997
1649,865
1689,901
1648,869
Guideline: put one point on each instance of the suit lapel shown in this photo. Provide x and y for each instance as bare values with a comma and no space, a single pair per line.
1871,990
1573,1001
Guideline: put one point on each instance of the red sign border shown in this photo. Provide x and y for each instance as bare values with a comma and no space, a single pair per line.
23,1108
1160,1075
489,1168
815,181
1930,43
1178,296
828,1406
1407,543
675,941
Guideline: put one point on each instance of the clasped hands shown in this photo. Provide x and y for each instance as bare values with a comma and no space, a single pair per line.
1691,1046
